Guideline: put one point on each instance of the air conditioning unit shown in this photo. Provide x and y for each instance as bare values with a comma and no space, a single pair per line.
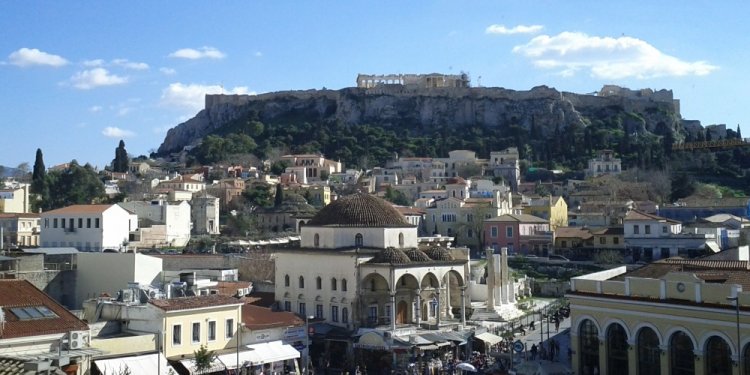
78,339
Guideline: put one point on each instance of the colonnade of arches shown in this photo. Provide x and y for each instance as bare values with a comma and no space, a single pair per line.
614,348
412,299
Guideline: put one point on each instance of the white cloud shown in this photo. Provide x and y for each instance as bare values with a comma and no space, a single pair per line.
258,54
201,53
167,71
192,96
31,56
519,29
95,108
607,57
93,63
127,64
124,111
97,77
115,132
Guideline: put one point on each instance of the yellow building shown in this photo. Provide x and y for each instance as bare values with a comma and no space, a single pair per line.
552,208
190,322
673,316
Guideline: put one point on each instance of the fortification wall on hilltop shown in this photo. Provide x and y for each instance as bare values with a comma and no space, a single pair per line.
212,100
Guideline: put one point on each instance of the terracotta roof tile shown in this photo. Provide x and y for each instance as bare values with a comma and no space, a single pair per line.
197,302
573,232
359,210
20,216
638,215
21,293
521,218
257,317
81,209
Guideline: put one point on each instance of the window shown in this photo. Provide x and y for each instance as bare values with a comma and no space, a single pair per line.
80,222
177,334
372,314
358,240
334,284
344,315
318,283
636,229
449,218
96,223
343,285
563,243
469,217
664,229
211,331
509,232
615,240
470,233
54,223
62,223
401,240
46,223
71,223
334,313
647,229
302,309
493,232
229,329
316,240
196,332
603,240
88,223
286,280
301,282
287,306
319,311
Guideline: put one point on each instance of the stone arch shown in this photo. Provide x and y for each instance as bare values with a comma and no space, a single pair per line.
334,300
301,224
706,336
612,321
287,295
375,282
648,344
301,297
641,326
682,329
429,280
588,349
318,299
359,240
616,345
577,325
287,281
682,347
717,354
407,281
456,276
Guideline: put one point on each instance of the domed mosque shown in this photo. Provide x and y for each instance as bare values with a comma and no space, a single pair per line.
360,267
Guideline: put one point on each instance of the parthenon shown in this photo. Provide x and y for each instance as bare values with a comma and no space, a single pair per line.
432,80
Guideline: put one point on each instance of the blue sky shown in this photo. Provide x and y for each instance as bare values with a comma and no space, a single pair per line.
78,77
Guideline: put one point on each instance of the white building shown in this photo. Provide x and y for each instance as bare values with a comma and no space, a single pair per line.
173,216
99,273
15,199
604,163
205,214
93,227
359,265
651,237
315,165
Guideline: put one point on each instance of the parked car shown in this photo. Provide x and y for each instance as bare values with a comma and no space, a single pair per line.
558,258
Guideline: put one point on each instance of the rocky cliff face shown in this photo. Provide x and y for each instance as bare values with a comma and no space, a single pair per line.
545,108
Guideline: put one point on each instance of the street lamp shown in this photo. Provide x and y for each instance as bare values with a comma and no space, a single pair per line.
307,342
736,300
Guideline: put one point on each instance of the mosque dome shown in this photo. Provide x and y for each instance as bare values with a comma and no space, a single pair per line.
359,210
439,253
416,255
390,255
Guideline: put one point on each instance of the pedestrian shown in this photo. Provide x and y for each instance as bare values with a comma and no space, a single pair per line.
552,351
534,350
557,324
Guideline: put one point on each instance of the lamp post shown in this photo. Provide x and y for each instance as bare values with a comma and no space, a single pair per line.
736,300
307,342
239,341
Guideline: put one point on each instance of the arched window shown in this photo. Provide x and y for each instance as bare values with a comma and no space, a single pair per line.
588,339
401,240
286,280
648,359
718,356
617,350
334,284
316,240
301,282
681,357
358,240
343,285
345,315
318,283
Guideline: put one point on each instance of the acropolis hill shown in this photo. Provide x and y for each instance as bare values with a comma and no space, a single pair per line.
425,101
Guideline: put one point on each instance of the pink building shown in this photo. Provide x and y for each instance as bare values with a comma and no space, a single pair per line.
521,234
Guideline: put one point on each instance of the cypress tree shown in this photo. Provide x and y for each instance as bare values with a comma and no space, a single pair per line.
739,132
39,175
120,164
279,199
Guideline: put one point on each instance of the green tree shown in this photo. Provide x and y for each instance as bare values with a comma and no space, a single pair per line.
257,195
396,197
278,199
75,185
121,162
203,359
39,184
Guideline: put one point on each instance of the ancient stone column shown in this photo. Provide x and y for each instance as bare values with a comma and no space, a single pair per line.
463,306
437,315
490,279
393,311
418,311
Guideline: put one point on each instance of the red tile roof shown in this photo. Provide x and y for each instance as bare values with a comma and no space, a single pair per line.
197,302
21,293
81,209
20,216
638,215
257,317
573,232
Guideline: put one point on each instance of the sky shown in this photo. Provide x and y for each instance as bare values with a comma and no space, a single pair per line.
76,77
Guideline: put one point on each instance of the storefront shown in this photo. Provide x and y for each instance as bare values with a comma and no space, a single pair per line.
141,364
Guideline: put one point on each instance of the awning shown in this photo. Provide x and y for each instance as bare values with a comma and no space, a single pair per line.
216,365
268,352
142,364
375,340
489,338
